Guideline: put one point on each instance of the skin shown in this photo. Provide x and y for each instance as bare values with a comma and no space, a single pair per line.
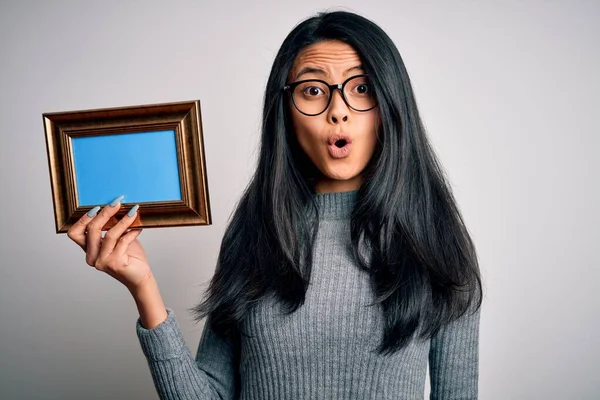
336,61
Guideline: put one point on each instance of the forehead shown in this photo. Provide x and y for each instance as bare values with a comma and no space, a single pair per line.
331,56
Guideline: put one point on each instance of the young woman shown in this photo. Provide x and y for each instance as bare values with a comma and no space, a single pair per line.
346,267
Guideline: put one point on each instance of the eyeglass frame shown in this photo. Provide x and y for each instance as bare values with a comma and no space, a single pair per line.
340,86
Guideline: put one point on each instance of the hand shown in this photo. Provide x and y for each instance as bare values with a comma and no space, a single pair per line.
118,253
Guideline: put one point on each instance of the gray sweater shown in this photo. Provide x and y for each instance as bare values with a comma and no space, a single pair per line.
325,350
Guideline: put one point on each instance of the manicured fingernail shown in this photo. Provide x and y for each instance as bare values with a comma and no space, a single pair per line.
93,211
116,201
131,212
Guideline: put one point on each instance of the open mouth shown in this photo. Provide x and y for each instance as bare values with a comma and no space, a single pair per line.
340,143
339,140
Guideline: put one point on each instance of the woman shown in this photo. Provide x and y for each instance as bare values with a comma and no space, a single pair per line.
346,267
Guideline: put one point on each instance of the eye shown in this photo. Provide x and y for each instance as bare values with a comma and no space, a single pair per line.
363,88
312,91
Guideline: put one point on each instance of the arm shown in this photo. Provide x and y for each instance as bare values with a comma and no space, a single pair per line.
175,372
454,359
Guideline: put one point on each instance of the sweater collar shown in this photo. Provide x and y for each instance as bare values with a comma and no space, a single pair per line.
335,205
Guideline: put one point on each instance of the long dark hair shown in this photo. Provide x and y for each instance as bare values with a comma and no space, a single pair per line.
423,266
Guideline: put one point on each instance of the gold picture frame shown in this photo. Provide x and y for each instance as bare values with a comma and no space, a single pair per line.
149,150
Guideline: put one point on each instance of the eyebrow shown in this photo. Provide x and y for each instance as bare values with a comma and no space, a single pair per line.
319,71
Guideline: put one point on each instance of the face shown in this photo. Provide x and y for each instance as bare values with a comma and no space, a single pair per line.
340,141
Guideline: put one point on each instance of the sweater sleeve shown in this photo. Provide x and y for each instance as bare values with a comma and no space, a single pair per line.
175,372
454,359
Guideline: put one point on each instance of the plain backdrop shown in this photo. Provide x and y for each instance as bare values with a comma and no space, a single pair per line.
509,93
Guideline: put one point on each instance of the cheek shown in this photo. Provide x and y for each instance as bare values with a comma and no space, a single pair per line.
372,126
306,129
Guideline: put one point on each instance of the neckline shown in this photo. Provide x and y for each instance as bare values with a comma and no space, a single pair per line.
335,205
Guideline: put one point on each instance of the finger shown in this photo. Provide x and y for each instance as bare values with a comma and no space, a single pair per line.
94,230
114,234
124,242
77,231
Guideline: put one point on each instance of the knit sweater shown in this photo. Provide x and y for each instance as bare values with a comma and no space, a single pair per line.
324,350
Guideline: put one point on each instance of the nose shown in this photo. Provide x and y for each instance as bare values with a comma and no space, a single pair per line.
338,109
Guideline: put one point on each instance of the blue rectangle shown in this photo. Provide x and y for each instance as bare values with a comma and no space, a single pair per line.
142,166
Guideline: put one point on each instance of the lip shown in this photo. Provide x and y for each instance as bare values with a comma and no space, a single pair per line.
339,152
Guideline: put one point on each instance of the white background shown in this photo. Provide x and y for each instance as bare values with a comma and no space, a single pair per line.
508,90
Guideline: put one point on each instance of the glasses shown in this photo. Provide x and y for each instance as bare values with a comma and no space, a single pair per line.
312,96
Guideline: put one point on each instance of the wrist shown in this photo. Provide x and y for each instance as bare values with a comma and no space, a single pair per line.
147,286
149,303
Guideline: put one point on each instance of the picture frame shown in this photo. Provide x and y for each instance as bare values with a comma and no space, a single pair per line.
153,154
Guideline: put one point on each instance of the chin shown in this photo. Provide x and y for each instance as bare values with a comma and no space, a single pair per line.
341,173
341,176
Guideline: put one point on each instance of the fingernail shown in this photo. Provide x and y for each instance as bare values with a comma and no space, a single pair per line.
131,212
116,201
93,211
